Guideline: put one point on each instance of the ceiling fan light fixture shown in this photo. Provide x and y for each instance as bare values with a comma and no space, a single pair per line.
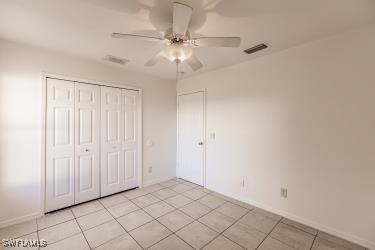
178,51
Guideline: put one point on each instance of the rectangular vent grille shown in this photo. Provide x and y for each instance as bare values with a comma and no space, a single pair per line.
115,59
256,48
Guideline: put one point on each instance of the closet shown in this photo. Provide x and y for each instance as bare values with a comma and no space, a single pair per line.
91,142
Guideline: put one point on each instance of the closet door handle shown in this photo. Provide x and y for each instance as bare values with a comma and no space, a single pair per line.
200,143
87,150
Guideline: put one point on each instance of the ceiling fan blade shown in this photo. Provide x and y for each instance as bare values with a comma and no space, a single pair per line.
131,36
156,58
181,18
216,41
194,63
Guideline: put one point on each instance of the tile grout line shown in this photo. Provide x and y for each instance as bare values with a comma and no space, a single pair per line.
84,236
221,234
197,220
128,232
268,235
312,244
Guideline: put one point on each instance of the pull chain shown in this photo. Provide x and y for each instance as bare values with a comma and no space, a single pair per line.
177,71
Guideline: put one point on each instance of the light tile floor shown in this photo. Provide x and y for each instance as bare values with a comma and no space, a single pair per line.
174,214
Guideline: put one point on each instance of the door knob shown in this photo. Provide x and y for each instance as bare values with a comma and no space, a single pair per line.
87,150
200,143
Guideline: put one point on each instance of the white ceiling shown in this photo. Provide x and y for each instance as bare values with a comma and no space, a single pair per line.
83,27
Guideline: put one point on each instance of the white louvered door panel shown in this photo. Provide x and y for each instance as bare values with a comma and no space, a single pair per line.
112,158
59,144
130,137
87,142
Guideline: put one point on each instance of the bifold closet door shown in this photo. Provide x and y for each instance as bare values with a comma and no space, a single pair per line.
130,102
72,143
59,144
87,142
119,140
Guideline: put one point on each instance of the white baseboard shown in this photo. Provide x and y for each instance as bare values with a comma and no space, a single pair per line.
20,219
357,240
157,180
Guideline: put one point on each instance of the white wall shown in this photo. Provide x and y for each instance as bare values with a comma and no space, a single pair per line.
303,119
21,121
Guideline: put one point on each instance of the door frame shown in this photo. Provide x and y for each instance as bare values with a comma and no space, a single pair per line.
180,93
44,76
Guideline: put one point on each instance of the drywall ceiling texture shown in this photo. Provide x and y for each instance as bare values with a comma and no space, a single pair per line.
21,121
83,27
302,119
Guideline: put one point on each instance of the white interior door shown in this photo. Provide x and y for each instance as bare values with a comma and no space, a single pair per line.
191,137
87,142
112,158
130,137
59,144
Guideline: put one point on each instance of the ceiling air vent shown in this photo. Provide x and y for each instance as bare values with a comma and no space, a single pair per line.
115,59
256,48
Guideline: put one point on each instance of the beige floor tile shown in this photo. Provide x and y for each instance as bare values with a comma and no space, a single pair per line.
203,189
59,232
232,210
194,194
244,235
158,209
77,242
122,209
94,219
292,236
222,243
211,201
339,242
54,218
196,234
169,183
221,196
175,220
267,214
122,242
178,201
179,180
153,188
112,200
171,243
305,228
134,193
259,222
217,221
323,244
242,204
134,219
103,233
150,233
86,208
195,210
272,244
18,230
146,200
164,193
180,188
190,184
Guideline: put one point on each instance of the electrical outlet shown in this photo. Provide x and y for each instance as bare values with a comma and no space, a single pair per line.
150,169
284,192
242,183
212,136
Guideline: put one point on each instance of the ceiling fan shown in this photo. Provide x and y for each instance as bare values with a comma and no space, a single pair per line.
178,40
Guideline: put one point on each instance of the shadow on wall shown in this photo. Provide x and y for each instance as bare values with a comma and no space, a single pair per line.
160,11
20,151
